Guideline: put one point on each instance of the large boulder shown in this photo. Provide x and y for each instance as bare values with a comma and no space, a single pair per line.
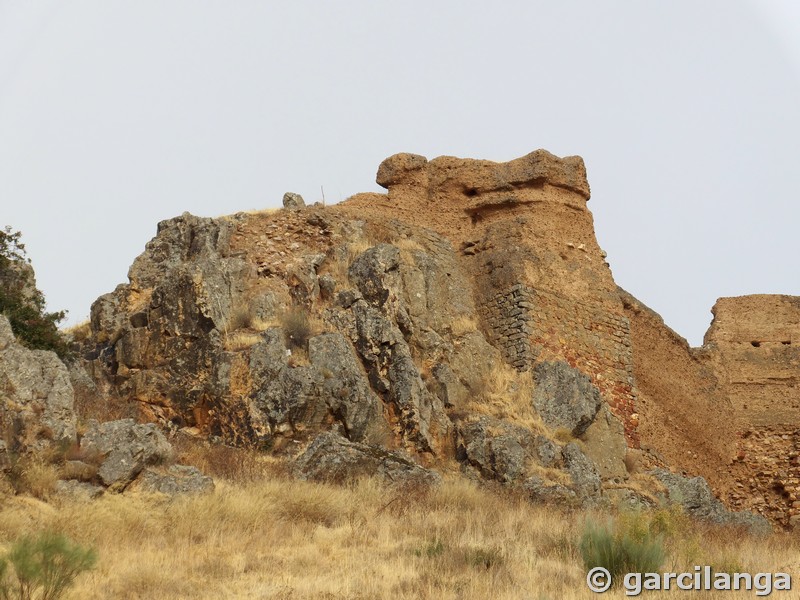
174,480
293,201
604,443
565,397
124,448
584,474
694,495
333,458
503,451
36,396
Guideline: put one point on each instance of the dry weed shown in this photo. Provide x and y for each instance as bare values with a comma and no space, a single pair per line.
279,538
462,325
79,332
241,340
505,393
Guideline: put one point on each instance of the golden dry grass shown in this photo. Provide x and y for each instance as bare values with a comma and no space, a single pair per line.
462,325
505,393
78,332
280,538
240,340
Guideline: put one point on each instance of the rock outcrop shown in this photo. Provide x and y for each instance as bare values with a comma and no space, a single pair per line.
375,328
36,398
697,499
335,459
565,397
123,449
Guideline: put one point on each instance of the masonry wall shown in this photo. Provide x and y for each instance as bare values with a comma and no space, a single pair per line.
755,344
540,281
685,420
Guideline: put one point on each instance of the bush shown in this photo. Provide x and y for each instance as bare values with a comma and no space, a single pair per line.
44,566
22,303
626,545
297,328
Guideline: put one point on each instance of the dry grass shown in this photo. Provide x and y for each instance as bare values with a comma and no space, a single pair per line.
408,245
462,325
298,326
36,476
252,212
279,538
240,465
241,340
79,332
505,393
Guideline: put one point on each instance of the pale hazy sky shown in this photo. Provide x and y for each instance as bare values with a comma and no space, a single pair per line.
115,115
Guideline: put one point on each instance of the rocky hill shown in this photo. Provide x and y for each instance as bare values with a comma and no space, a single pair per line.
465,321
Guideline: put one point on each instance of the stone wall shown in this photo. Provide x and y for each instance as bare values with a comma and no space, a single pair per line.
754,342
769,474
685,421
508,318
539,279
596,341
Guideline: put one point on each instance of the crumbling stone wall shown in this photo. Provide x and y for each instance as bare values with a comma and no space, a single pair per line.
685,421
594,340
753,345
754,342
508,317
768,458
539,279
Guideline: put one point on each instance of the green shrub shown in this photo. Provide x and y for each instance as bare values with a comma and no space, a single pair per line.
22,303
626,545
44,567
432,549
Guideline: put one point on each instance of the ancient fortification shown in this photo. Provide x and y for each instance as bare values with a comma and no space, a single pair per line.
465,319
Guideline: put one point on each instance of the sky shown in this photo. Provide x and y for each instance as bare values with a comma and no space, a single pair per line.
115,115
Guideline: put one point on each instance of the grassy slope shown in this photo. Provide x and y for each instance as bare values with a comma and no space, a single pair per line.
273,537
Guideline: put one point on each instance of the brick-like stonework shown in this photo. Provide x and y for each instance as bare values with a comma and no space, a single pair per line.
508,316
540,280
592,339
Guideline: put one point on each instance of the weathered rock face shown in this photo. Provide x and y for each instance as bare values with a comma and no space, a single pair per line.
36,399
604,444
158,338
697,499
125,448
409,300
565,397
333,458
203,335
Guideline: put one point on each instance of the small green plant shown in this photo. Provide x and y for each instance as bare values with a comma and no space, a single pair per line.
23,303
626,545
432,549
44,567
